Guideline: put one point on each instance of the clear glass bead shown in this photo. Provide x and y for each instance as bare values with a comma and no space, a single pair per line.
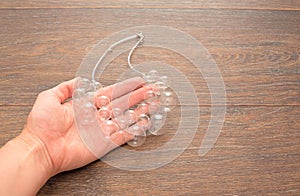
130,116
165,80
167,100
117,112
97,85
151,76
150,96
109,127
89,97
157,121
137,141
87,113
163,83
104,113
142,109
143,121
139,135
154,108
78,93
85,84
102,101
122,122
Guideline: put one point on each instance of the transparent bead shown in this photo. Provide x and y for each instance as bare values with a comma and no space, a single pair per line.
142,108
150,96
151,76
154,108
117,112
137,141
109,127
143,121
104,113
102,101
97,85
89,97
122,122
167,100
165,80
78,93
160,85
130,116
139,136
157,121
85,84
87,113
163,83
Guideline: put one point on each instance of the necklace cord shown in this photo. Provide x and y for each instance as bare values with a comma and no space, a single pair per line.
110,49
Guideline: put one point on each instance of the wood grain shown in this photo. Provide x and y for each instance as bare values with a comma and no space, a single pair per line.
260,66
252,156
258,147
256,47
216,4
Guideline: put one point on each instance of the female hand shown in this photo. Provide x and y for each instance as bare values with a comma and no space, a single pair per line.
50,142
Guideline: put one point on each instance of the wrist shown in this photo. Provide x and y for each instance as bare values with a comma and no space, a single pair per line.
26,166
35,152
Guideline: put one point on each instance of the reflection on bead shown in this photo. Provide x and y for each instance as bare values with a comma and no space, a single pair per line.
165,80
130,116
78,93
90,97
137,140
117,112
109,127
135,130
150,96
167,100
104,113
142,108
154,108
139,135
102,101
143,121
85,84
122,122
151,76
97,85
163,83
87,112
157,121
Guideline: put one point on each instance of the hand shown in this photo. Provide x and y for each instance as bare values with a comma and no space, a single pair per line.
50,142
51,122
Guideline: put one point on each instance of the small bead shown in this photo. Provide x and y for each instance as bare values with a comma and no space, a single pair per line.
87,113
130,116
142,108
102,101
104,113
150,96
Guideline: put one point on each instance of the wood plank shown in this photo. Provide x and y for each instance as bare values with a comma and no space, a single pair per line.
13,120
216,4
256,51
256,153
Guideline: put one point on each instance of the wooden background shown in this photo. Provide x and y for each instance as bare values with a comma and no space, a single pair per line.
255,44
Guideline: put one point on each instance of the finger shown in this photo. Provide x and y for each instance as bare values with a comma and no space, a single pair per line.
109,127
121,88
131,99
57,94
64,90
121,137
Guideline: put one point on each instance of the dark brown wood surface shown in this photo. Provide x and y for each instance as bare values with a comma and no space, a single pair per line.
254,43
